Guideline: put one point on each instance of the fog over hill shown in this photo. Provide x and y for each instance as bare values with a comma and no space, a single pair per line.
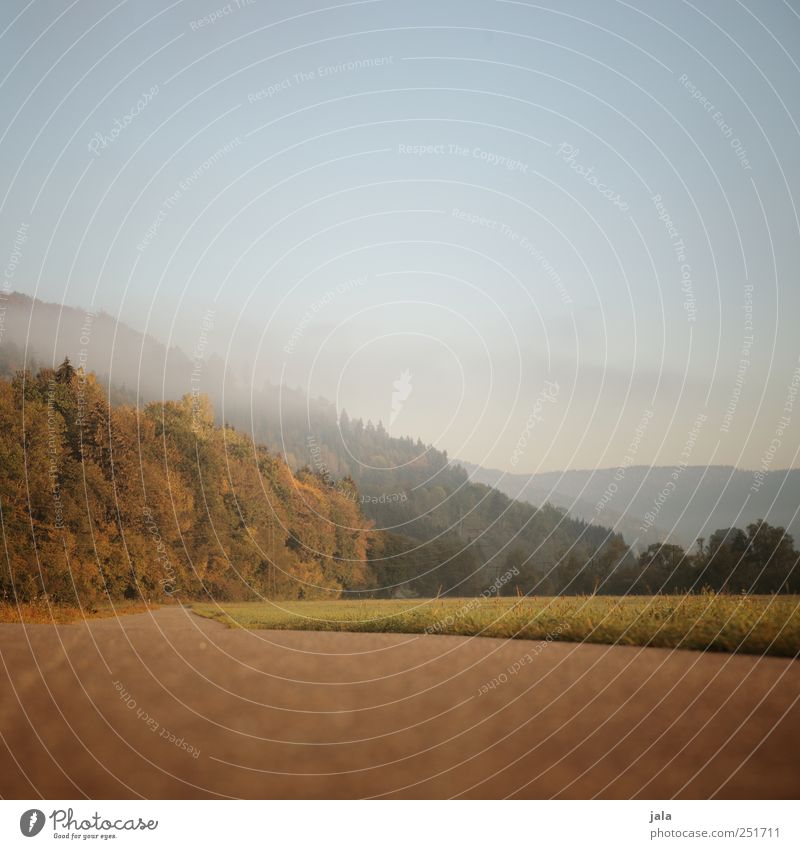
643,504
38,333
442,531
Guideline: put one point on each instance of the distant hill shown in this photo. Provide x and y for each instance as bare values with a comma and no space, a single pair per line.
42,334
428,507
704,498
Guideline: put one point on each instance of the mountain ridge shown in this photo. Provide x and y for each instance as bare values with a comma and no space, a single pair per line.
721,496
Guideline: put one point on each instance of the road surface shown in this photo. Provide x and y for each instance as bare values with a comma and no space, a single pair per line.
169,705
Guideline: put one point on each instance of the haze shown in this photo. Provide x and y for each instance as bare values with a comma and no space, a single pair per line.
514,231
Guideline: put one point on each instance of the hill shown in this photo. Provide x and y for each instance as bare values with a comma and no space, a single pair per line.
441,531
112,502
648,508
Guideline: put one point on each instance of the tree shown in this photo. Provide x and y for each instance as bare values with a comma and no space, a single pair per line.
771,559
663,568
65,372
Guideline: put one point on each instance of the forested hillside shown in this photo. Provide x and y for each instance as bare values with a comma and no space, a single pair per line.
432,514
443,533
282,506
115,501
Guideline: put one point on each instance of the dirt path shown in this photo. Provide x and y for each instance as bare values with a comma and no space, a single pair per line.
121,708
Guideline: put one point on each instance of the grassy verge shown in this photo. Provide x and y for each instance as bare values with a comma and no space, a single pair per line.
730,623
62,614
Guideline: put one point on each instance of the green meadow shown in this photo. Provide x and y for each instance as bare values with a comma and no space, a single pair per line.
704,622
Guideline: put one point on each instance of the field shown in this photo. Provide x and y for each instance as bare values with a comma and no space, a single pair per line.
729,623
41,613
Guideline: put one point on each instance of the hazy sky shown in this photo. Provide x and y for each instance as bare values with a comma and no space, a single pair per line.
573,226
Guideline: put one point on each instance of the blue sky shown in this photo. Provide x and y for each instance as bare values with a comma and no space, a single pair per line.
493,196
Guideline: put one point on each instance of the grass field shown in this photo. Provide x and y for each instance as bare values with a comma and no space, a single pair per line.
63,614
747,624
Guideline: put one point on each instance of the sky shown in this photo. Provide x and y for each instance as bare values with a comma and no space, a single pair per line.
538,236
